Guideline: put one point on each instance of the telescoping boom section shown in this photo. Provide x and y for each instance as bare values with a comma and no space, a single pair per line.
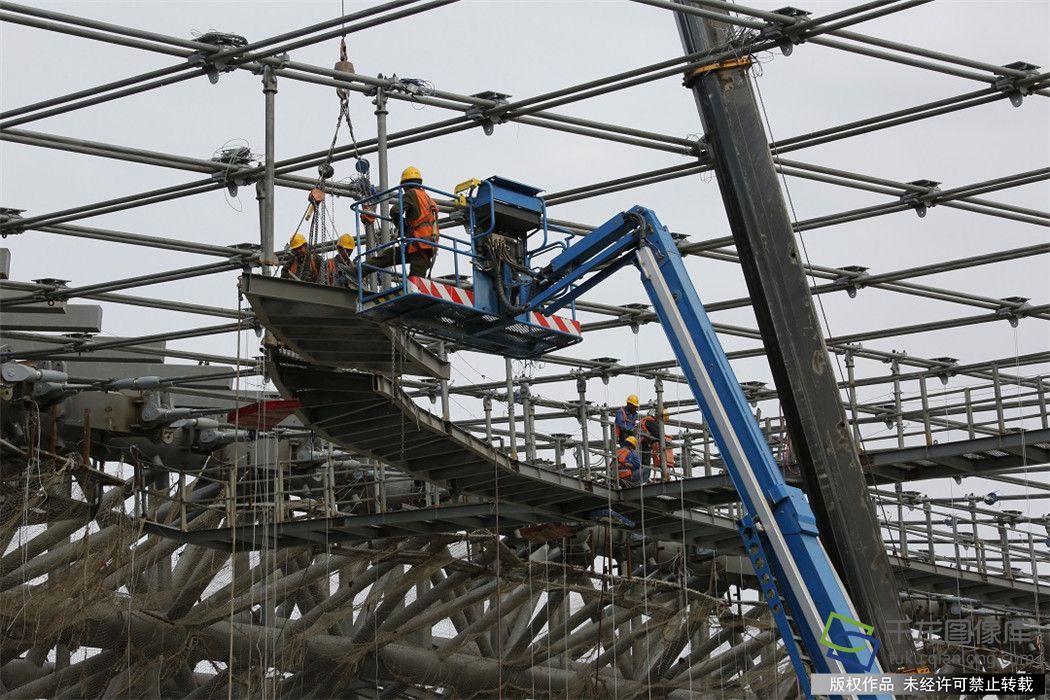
805,595
512,292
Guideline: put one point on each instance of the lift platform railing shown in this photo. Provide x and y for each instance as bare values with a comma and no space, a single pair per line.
391,279
453,310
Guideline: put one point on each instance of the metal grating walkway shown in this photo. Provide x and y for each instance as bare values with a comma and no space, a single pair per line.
985,456
370,414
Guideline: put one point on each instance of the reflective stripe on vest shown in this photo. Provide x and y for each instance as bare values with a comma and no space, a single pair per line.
425,225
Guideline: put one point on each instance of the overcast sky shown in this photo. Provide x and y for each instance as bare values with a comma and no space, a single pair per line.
526,48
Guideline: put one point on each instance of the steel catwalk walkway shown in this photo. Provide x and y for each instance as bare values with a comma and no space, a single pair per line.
985,456
322,326
370,414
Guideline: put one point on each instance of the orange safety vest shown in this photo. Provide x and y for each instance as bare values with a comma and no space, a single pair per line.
425,225
315,271
624,471
647,429
332,271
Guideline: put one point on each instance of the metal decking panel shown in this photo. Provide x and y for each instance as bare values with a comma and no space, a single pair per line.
321,325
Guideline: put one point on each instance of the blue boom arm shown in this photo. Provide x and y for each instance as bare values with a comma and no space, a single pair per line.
779,529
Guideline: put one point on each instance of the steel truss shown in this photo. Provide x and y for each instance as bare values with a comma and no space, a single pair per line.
127,591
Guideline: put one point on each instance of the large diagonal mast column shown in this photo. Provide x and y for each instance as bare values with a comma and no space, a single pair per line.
791,332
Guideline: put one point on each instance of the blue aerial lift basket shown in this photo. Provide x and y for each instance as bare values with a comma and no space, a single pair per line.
501,215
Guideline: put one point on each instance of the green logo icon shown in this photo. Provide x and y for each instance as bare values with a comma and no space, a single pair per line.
852,658
825,637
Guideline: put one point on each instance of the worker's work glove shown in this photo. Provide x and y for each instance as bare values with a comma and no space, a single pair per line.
368,216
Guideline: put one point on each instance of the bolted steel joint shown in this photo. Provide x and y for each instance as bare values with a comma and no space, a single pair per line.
1013,309
1016,88
787,34
921,201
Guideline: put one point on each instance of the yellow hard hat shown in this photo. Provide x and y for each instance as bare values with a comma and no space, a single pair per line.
632,440
346,241
297,241
632,400
665,416
411,173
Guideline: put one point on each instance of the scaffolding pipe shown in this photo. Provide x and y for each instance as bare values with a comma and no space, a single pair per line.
269,81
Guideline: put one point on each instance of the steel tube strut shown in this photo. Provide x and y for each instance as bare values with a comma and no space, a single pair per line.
788,322
267,202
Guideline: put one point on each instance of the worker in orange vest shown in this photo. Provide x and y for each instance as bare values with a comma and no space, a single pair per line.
630,469
649,429
626,420
340,270
304,265
420,226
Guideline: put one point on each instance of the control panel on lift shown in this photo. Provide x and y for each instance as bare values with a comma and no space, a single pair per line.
504,214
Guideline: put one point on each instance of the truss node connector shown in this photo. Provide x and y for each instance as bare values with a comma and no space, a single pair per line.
947,369
9,221
631,313
489,117
893,359
235,160
54,292
1013,309
252,252
787,33
13,372
701,148
849,350
911,498
852,279
753,391
1017,88
922,201
222,42
604,364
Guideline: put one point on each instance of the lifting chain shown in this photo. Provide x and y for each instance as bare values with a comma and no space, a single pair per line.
325,169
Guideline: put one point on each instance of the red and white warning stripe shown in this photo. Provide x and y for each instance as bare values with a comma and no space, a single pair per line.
448,292
565,325
442,291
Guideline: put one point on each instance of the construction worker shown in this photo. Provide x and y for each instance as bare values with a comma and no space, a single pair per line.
340,270
649,430
419,224
626,420
630,468
304,265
